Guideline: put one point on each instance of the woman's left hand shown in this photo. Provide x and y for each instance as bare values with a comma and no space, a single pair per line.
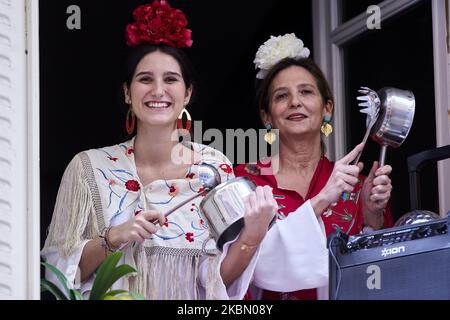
260,208
376,192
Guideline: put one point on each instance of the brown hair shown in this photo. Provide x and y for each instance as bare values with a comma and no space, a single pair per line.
139,52
263,86
136,54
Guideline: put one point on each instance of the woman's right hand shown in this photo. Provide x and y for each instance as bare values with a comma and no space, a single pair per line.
343,179
137,229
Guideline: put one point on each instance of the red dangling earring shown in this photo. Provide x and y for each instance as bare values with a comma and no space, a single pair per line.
184,130
130,127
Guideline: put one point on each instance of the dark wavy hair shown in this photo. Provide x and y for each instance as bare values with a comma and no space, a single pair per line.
263,86
136,54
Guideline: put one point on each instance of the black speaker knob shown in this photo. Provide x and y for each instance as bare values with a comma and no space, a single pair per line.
423,232
441,228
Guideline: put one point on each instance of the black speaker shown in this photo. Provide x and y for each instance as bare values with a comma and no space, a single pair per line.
407,262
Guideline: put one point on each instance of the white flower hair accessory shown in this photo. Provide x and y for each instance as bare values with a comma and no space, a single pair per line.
276,49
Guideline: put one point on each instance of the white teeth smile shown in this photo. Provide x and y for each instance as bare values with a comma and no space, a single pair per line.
296,117
157,104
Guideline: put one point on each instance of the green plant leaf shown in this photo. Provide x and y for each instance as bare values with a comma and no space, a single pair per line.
115,275
107,266
53,289
137,296
61,277
75,295
119,272
112,293
122,296
101,282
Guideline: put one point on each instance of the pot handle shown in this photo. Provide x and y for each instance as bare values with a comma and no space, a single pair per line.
383,155
272,222
204,252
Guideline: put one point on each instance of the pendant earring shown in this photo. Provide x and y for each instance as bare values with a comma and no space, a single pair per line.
326,127
269,136
184,130
129,127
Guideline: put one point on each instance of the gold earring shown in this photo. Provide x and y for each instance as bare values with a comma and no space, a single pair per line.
326,127
269,136
184,130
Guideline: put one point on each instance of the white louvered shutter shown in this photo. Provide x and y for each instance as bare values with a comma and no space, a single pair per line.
16,262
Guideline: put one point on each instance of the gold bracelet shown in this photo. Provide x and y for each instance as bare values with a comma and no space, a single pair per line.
246,247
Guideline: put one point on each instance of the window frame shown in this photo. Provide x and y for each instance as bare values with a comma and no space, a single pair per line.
329,37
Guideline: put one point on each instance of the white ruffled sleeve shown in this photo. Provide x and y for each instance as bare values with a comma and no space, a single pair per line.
293,255
73,225
69,267
237,290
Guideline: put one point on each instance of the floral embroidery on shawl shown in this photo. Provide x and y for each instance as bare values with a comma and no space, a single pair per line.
119,184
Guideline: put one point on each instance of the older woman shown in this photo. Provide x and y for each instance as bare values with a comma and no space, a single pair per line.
295,98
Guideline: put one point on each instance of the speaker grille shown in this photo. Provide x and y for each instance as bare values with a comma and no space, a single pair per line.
420,276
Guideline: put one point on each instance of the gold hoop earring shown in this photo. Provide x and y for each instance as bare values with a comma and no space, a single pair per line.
184,130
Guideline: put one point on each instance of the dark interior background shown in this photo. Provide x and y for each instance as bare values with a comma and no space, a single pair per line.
80,72
399,55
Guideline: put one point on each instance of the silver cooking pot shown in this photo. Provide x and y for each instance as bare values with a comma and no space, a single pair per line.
395,119
223,209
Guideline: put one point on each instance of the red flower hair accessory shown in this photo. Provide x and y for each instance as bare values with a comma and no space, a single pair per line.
158,23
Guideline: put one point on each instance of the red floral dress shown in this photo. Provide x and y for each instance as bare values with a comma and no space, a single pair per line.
346,214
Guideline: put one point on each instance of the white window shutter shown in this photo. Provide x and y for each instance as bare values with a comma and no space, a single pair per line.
18,265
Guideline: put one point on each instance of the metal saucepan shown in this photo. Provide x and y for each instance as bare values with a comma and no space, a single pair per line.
395,118
223,209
